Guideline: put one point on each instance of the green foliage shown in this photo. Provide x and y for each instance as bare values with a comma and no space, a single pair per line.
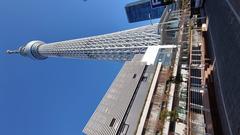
164,114
173,115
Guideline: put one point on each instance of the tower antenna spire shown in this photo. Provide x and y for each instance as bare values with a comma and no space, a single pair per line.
13,51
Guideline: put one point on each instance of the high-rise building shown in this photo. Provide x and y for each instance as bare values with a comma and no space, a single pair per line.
141,10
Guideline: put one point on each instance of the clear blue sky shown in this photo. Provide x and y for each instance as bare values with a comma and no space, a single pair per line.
55,96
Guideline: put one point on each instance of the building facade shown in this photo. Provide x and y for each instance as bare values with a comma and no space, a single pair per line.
120,110
127,105
141,10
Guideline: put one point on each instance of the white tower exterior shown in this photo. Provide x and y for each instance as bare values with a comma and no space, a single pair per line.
121,45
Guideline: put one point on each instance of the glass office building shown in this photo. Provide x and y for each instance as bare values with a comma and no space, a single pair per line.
141,10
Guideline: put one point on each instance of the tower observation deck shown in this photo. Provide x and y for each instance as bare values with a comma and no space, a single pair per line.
120,46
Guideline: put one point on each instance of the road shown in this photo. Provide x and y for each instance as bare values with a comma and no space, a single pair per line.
224,39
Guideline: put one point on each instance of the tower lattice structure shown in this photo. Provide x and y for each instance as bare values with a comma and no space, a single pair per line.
120,46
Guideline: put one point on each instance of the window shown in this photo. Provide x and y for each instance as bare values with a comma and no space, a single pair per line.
125,129
112,122
134,76
144,78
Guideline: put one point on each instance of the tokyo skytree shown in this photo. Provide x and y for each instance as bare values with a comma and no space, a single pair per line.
119,46
141,91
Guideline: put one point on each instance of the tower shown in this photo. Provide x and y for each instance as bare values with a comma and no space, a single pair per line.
142,95
118,111
121,46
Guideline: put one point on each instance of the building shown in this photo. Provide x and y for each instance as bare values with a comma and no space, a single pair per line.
141,10
121,108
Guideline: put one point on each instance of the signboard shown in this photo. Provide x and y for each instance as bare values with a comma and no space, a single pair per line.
159,3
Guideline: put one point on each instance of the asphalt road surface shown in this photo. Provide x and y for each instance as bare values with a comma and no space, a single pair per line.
224,33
